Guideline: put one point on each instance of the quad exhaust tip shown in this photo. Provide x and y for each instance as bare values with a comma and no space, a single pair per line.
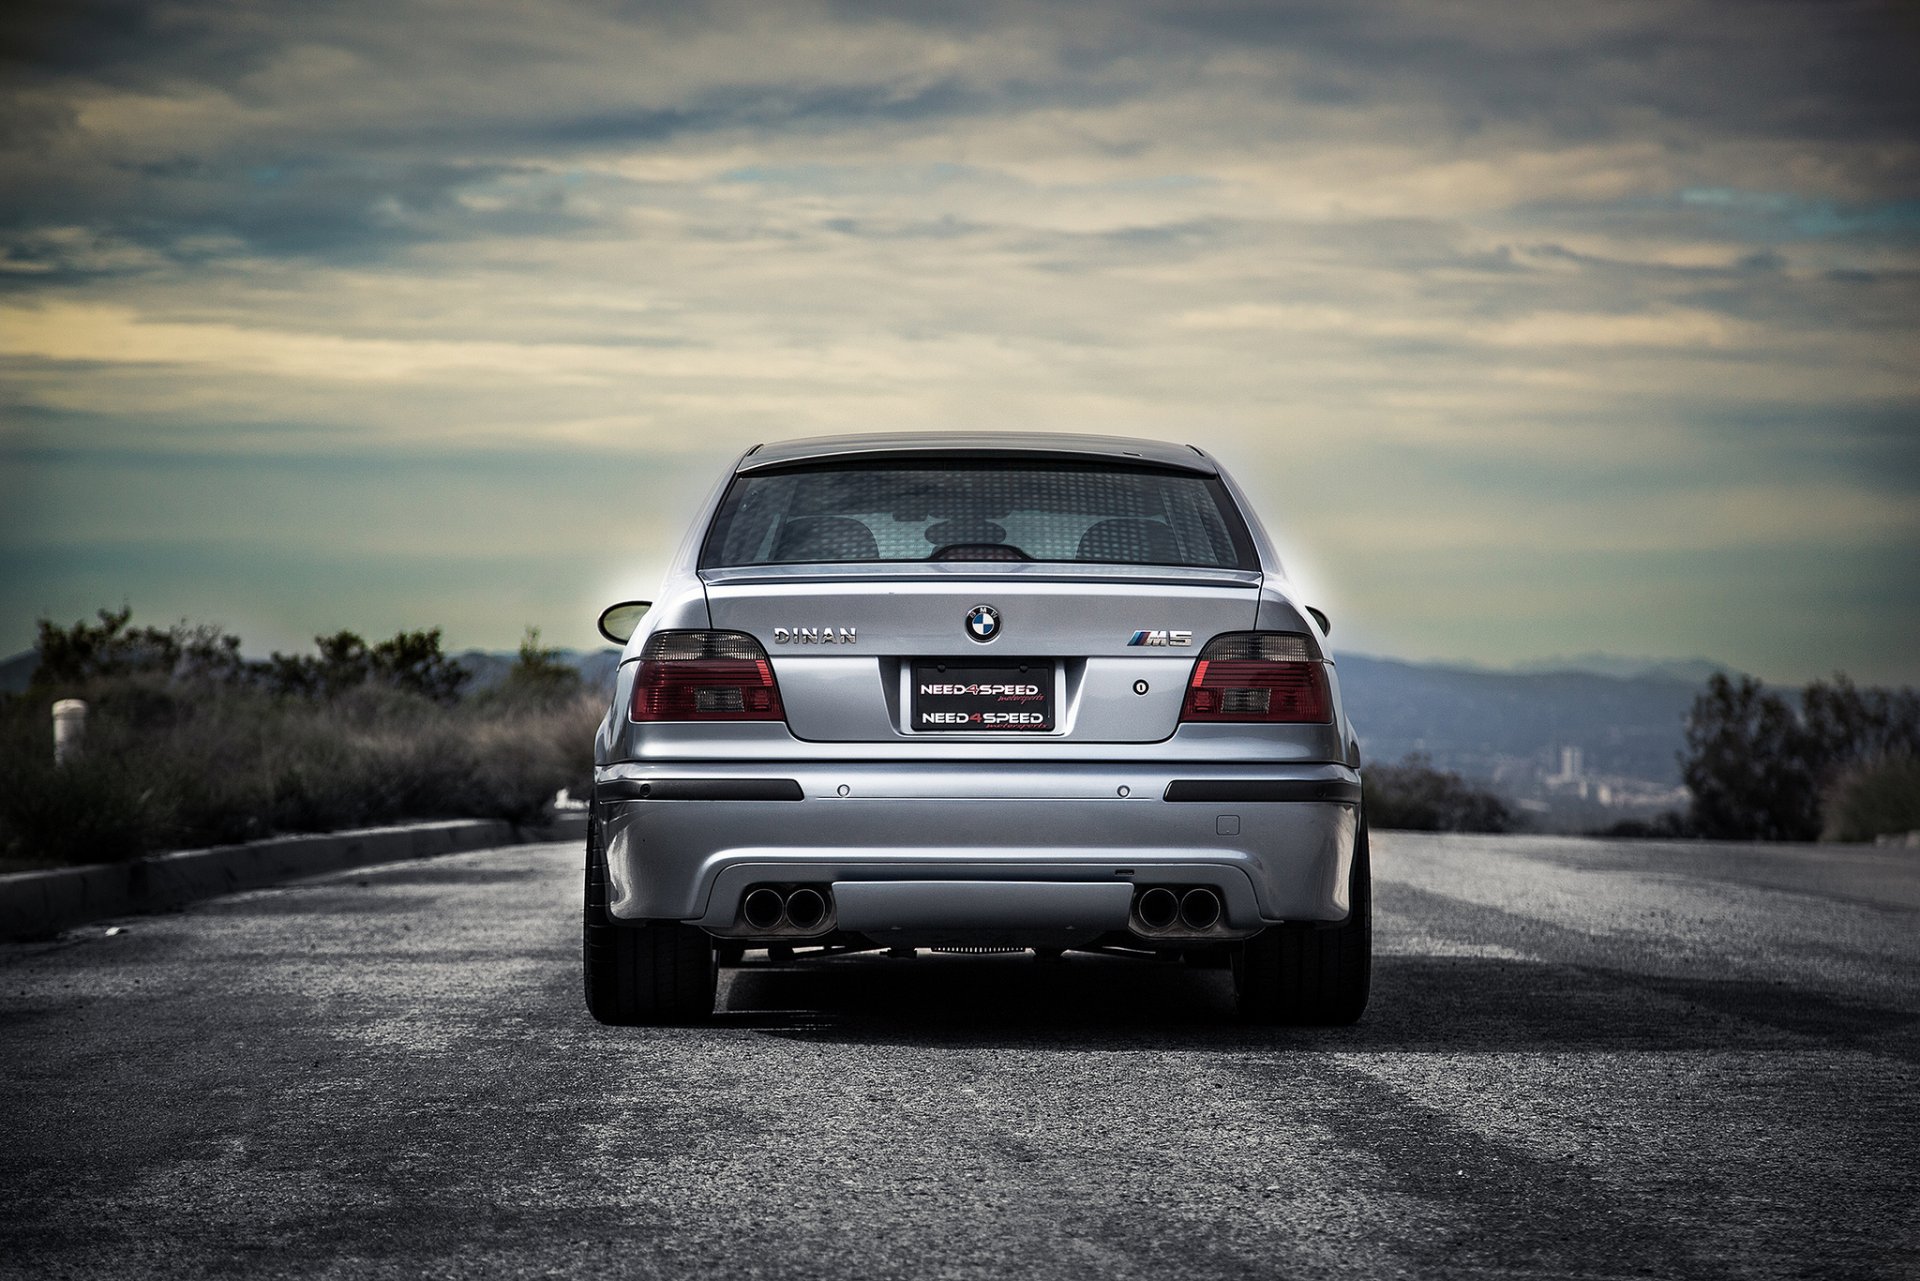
763,909
806,908
1199,909
1182,909
767,909
1159,908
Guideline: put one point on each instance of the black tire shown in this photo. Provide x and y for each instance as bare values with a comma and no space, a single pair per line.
640,975
1312,974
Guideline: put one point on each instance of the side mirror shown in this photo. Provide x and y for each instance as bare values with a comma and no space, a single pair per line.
1326,627
619,622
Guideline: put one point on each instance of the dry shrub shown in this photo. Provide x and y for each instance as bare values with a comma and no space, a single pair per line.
170,765
1873,798
1415,796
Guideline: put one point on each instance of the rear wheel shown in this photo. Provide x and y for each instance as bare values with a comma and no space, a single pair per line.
659,972
1312,974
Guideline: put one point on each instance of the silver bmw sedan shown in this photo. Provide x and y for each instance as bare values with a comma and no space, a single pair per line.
996,691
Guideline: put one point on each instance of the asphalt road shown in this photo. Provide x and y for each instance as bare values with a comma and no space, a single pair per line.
1583,1059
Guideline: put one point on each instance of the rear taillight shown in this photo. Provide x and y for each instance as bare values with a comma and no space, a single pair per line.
705,676
1268,677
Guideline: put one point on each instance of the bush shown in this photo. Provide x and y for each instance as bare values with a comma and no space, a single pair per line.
182,752
1415,796
1874,798
204,654
1761,769
73,655
538,676
410,662
63,813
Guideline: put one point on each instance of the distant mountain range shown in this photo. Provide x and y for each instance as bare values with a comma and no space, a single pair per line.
490,667
1697,670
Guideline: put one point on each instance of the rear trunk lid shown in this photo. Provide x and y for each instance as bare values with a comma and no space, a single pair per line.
1066,653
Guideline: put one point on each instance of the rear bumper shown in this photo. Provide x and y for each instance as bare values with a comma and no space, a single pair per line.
978,847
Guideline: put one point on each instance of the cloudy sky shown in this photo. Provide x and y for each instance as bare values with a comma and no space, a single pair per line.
1534,329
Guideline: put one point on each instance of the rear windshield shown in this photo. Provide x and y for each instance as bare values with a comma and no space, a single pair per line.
977,510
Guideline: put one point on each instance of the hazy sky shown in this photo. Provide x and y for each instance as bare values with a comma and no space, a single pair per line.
1534,329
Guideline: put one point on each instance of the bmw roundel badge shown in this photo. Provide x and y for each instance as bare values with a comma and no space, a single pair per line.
983,622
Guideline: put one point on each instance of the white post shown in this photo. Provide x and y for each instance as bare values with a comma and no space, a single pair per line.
69,729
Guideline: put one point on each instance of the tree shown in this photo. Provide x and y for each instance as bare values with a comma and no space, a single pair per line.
410,661
540,675
204,654
341,664
71,656
1748,765
1759,768
1845,725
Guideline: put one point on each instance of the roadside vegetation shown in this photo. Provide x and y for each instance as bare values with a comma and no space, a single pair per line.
1415,796
1831,762
1839,763
189,744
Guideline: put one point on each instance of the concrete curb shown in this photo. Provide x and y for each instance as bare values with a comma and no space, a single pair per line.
36,905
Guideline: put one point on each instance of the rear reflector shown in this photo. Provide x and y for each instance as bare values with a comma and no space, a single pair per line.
1258,677
705,676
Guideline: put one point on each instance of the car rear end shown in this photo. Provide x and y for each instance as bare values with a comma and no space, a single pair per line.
1013,692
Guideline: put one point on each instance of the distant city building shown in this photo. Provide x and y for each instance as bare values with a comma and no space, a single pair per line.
1572,764
1611,790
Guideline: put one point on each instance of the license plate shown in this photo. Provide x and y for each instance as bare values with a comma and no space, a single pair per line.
1006,697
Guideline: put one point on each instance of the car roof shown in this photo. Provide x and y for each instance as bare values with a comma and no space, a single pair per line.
1052,445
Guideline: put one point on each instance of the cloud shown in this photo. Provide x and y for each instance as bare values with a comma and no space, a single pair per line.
1618,285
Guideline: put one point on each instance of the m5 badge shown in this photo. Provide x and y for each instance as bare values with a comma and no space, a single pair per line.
1161,638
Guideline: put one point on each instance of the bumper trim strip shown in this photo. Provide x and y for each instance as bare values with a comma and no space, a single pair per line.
701,789
1219,791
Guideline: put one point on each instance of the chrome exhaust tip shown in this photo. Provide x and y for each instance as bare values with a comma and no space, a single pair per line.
762,909
1200,909
806,908
1158,908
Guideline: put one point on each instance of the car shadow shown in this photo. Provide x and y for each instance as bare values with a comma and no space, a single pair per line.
1419,1003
